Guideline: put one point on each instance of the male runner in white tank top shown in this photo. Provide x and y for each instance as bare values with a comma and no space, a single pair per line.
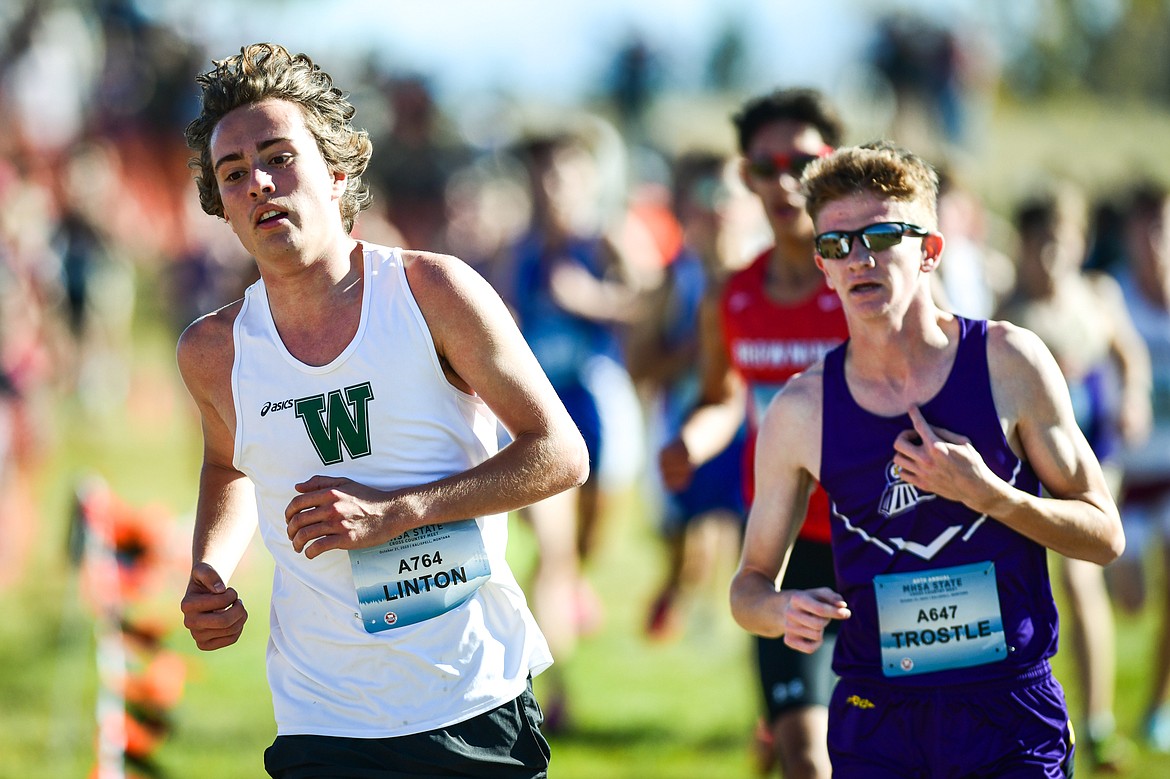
349,405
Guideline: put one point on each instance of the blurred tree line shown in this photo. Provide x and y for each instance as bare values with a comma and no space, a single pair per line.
1111,48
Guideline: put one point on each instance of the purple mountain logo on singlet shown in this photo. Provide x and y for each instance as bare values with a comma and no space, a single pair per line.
899,497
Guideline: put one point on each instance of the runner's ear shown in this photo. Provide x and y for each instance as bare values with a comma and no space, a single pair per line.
932,249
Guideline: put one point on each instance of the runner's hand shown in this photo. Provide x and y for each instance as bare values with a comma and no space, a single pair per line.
808,613
674,461
943,463
213,612
332,513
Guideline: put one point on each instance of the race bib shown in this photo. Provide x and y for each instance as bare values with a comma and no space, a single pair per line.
939,619
421,574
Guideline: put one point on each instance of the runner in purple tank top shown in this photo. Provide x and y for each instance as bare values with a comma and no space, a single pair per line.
932,435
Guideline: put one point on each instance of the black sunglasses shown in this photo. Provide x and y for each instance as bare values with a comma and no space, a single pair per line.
770,166
837,244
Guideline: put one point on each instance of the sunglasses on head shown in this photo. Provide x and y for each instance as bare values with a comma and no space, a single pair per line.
837,244
767,166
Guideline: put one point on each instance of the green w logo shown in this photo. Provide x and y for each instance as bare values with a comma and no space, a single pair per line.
331,424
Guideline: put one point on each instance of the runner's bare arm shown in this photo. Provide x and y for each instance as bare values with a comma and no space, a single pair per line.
787,461
1080,519
225,515
482,352
1135,416
721,405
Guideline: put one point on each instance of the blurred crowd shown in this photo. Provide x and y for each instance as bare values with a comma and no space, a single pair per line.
600,239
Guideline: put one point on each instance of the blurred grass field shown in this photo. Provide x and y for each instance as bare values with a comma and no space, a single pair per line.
683,709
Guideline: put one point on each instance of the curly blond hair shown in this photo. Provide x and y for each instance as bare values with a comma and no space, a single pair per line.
263,71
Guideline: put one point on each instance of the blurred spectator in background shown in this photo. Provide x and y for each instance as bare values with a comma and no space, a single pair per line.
50,62
27,362
922,63
573,289
1107,236
634,79
210,271
1082,318
415,160
92,100
98,279
727,62
976,276
769,321
1145,507
938,73
488,208
140,105
704,519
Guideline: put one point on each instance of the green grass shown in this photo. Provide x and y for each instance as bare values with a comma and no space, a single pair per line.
680,709
683,709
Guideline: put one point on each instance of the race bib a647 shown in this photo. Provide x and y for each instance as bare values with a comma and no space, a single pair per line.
939,619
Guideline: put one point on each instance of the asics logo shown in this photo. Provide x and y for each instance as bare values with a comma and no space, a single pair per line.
277,405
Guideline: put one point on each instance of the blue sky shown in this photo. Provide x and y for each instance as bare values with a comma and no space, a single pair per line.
548,48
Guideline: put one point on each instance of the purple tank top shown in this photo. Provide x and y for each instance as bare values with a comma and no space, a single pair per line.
883,526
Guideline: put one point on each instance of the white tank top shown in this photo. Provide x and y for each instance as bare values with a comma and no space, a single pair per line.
383,414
